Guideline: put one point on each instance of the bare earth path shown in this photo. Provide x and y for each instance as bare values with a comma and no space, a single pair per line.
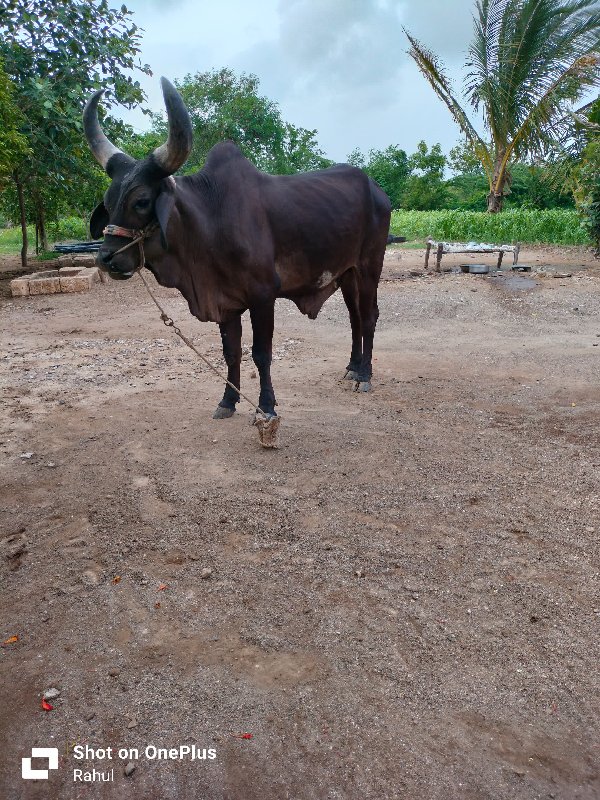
403,600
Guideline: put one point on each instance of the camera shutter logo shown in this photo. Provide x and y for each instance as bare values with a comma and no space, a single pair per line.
51,753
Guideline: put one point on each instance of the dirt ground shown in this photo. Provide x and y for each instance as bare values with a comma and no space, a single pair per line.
400,602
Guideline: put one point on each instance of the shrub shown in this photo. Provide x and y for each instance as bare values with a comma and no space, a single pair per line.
65,229
68,228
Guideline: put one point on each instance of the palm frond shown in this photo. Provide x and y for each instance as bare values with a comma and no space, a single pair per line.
521,50
529,63
485,55
549,119
433,71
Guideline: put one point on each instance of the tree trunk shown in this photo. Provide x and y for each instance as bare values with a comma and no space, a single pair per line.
494,202
500,185
40,223
86,222
23,217
41,215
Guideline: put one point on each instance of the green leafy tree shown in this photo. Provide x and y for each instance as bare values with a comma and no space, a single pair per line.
56,54
463,161
300,151
425,188
223,105
530,62
467,189
13,144
137,144
389,168
532,185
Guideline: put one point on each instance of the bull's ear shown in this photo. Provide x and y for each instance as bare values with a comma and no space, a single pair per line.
163,207
98,221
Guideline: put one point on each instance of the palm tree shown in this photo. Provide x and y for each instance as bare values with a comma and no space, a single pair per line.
529,63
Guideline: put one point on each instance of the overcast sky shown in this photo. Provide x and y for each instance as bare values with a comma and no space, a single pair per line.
339,66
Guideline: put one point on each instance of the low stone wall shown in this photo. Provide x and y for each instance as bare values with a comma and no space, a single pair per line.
70,277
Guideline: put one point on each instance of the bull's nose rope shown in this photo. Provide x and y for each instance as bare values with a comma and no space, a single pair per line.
136,236
170,324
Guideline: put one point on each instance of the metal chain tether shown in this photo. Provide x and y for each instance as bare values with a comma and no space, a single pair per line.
268,426
170,324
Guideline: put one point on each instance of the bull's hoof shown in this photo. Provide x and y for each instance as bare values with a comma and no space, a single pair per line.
223,412
363,386
351,375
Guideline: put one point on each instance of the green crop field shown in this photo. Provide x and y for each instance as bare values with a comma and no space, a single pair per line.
553,226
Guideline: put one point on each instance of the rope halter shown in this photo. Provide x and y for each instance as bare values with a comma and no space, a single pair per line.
137,237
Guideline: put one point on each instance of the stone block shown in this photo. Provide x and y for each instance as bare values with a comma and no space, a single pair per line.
64,272
94,272
46,273
19,287
84,261
77,283
49,285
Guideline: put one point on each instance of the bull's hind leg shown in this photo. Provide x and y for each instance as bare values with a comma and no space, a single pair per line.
369,273
231,336
263,323
349,286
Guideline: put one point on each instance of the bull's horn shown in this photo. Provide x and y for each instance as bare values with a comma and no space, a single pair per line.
100,146
171,155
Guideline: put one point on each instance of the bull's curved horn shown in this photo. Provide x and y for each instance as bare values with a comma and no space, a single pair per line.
100,146
171,155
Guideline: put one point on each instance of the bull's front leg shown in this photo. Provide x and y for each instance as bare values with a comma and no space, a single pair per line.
231,336
263,323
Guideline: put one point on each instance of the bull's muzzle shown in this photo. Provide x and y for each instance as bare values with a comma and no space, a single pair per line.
119,272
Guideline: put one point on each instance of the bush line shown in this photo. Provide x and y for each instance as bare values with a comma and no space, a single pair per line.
551,226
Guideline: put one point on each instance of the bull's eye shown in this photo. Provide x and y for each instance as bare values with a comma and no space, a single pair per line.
143,204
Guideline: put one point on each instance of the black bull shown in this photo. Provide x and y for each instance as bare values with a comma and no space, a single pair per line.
232,238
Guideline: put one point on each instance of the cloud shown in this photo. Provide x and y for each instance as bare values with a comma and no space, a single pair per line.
329,59
445,26
340,66
162,5
340,45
